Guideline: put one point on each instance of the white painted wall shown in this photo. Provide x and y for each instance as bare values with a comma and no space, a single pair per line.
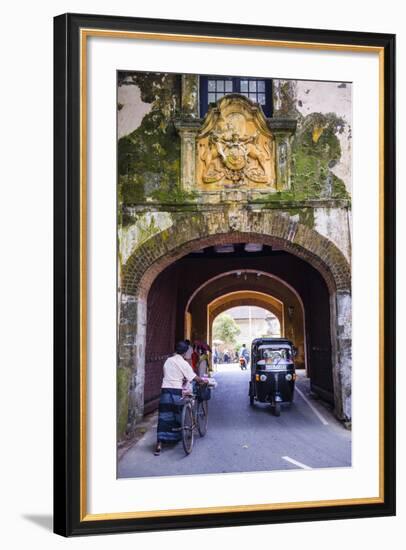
133,109
334,223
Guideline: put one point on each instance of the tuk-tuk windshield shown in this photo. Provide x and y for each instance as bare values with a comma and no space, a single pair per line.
274,354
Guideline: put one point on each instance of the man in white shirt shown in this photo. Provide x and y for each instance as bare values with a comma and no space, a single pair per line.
177,372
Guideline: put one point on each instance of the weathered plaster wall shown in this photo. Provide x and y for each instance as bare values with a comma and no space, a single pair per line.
149,156
149,148
331,222
334,223
331,97
131,109
143,226
322,145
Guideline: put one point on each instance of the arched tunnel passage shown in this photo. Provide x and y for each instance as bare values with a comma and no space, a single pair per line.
200,278
163,271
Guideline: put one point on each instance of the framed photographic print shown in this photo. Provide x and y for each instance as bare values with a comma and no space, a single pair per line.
224,274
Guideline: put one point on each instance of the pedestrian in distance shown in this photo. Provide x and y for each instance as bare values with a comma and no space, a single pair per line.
244,357
245,353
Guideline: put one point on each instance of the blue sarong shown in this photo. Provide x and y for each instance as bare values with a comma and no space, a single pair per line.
169,415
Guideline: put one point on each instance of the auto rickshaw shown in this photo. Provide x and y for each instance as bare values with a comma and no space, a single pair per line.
272,372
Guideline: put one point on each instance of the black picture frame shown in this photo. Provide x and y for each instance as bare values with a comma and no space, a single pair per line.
68,520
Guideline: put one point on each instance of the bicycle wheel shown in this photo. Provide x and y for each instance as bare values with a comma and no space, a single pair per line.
202,416
187,428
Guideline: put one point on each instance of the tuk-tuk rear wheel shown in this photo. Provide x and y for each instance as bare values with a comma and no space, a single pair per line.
251,400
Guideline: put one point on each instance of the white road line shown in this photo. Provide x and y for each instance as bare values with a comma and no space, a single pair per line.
313,408
296,463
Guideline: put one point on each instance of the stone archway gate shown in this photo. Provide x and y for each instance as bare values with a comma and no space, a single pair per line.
230,224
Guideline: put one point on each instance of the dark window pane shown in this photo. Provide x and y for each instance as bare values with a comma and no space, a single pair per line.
214,88
244,86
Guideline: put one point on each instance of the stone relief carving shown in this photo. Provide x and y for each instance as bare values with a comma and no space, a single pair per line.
235,146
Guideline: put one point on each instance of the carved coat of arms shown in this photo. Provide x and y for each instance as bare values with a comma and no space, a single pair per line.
235,146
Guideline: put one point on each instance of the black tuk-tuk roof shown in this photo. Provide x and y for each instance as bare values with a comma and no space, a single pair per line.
270,341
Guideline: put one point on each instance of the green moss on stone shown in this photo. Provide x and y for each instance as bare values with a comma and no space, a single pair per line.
306,216
315,151
285,99
190,94
173,195
339,191
149,157
123,384
125,220
279,197
146,230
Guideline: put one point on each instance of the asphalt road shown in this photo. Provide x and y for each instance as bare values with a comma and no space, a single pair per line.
241,438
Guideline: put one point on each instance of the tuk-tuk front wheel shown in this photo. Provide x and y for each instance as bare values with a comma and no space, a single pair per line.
277,409
251,394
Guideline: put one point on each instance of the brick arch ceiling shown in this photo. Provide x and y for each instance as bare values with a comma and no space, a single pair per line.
245,298
193,231
245,302
217,290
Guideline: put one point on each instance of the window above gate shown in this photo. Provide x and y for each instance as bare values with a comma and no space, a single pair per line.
213,88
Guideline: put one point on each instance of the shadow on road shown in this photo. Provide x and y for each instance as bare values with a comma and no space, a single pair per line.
245,438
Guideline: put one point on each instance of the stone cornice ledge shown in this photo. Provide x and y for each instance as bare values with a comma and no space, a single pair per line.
188,124
260,205
282,125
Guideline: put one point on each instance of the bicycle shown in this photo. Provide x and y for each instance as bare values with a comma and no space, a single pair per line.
194,415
